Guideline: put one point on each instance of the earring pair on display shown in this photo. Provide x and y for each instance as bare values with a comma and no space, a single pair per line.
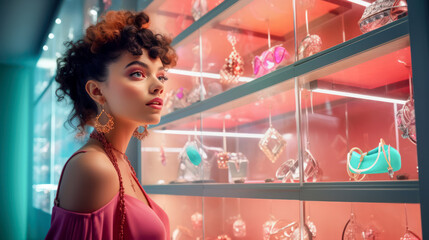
105,128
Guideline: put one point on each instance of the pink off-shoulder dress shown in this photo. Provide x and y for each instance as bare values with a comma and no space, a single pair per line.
142,221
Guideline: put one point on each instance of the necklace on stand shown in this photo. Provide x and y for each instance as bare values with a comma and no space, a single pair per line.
131,168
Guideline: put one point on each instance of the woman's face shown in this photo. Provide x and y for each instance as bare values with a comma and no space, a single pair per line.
134,88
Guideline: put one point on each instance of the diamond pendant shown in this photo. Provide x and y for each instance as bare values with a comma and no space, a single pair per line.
272,144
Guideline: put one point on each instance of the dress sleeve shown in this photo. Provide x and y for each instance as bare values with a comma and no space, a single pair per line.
73,225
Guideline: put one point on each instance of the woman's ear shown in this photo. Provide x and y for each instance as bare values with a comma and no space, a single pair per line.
93,88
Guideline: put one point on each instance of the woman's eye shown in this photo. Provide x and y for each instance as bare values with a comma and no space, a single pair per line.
137,74
163,78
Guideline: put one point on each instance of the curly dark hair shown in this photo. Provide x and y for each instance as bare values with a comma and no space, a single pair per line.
103,43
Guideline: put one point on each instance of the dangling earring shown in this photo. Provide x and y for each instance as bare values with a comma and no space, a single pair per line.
140,135
106,127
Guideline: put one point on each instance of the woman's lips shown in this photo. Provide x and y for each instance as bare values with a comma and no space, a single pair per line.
155,106
155,103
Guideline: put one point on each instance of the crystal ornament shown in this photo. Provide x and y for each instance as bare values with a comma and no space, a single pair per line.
296,234
239,228
233,67
266,227
311,227
237,167
162,155
222,160
190,158
199,8
409,235
382,12
197,221
223,237
407,122
272,144
352,230
310,45
197,94
289,170
282,230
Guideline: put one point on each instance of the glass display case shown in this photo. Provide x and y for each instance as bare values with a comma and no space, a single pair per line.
305,107
278,116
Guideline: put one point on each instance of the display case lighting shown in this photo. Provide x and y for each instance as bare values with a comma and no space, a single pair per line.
211,134
205,75
218,134
360,2
357,95
58,21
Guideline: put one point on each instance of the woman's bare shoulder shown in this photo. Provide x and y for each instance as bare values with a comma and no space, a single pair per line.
89,181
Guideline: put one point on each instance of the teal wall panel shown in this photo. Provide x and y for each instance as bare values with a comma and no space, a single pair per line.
15,154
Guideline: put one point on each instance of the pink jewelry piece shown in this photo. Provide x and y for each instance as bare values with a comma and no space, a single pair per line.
163,159
269,60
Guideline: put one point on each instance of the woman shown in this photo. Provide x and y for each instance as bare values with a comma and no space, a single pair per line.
115,78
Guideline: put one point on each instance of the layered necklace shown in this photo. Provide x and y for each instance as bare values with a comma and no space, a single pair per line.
131,167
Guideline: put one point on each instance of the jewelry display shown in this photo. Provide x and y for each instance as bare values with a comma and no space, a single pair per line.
405,118
199,8
237,167
175,99
311,44
197,221
224,156
282,229
232,70
371,231
223,237
382,12
289,170
239,228
368,162
269,59
352,230
311,227
266,227
272,143
162,155
296,234
198,93
408,235
190,158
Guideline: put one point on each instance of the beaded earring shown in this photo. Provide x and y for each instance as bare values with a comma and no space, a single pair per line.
140,135
104,128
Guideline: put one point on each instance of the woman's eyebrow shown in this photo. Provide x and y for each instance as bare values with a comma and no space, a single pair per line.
138,63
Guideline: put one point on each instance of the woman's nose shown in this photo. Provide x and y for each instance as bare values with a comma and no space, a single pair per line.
157,87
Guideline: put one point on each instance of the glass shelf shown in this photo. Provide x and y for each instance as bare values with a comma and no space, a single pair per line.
231,217
381,191
391,39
